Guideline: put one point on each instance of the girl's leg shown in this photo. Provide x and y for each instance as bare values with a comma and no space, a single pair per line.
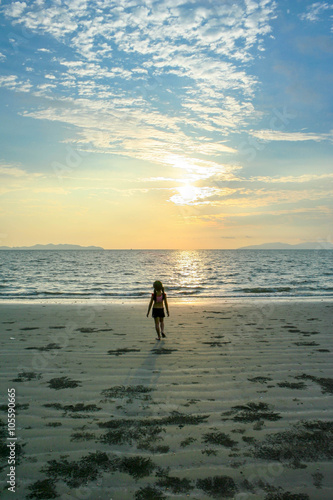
162,326
157,326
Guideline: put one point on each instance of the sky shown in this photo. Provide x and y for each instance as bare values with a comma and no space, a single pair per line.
165,124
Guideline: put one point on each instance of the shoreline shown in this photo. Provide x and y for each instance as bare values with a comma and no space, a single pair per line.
179,301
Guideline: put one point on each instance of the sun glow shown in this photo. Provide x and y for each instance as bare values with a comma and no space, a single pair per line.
192,195
188,193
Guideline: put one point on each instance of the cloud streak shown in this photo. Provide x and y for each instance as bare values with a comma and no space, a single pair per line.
277,135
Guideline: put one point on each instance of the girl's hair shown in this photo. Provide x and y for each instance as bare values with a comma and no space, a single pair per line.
158,286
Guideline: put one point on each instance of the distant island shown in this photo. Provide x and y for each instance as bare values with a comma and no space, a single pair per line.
310,245
53,247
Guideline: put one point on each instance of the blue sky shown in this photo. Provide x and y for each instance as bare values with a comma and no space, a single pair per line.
166,124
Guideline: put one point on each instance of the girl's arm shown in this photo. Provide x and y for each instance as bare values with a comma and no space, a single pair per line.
150,304
166,304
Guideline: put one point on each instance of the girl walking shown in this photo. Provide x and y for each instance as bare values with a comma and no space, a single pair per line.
158,298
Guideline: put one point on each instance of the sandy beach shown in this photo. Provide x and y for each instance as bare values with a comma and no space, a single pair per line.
236,402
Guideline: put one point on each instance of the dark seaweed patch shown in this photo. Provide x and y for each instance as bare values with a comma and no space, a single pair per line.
43,489
63,383
27,328
146,445
175,484
292,385
82,436
56,406
260,380
18,407
131,391
88,468
287,496
248,439
86,330
120,352
219,438
326,384
48,347
149,493
214,344
208,452
306,343
80,407
27,376
218,486
251,412
54,424
127,431
191,402
187,442
137,467
308,441
145,432
181,419
163,350
317,479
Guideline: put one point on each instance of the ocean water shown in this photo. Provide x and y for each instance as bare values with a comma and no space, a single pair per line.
118,274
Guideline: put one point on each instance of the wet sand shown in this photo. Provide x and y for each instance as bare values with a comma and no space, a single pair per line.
236,402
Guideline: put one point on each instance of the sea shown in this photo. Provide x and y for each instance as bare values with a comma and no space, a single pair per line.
118,275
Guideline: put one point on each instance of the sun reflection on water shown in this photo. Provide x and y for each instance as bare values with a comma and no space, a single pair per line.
189,272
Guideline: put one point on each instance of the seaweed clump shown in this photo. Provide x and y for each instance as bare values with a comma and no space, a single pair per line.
218,486
173,484
91,466
292,385
136,466
27,376
42,489
326,384
260,380
219,438
63,383
131,391
122,431
74,474
181,419
149,493
78,407
310,441
287,496
120,352
251,412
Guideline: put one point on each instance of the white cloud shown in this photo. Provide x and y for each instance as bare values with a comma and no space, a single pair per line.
314,11
11,82
170,38
14,9
276,135
15,171
299,179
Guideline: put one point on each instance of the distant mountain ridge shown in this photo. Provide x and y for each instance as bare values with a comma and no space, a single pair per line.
309,245
50,246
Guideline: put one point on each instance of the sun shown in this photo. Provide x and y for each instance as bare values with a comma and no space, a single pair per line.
188,193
